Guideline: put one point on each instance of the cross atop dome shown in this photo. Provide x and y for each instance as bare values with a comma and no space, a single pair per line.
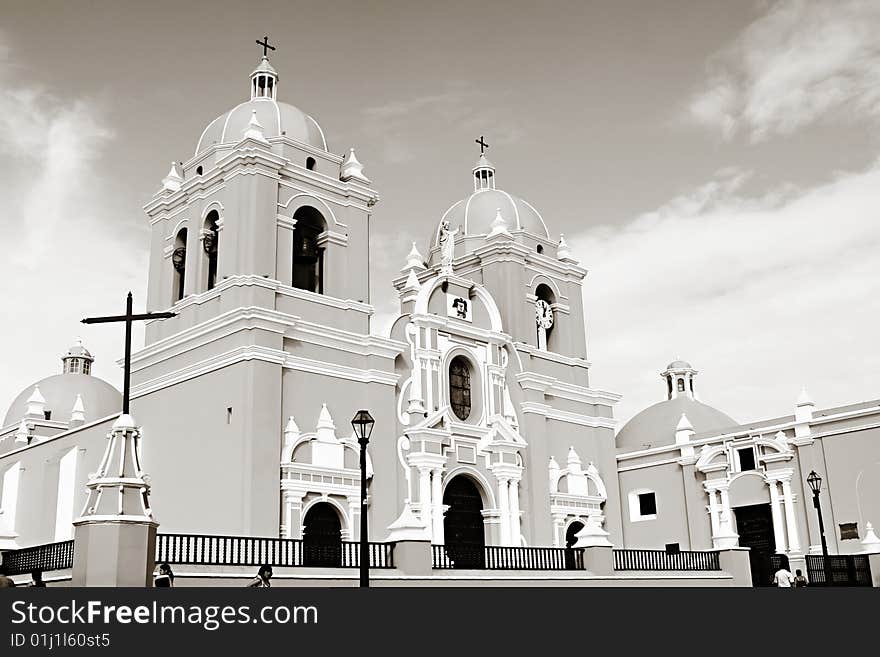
266,46
264,79
484,174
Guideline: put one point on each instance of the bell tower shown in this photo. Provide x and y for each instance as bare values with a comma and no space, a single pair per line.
260,245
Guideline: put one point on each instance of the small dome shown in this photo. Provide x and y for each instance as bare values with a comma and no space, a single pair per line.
78,351
278,119
679,365
99,398
476,213
655,426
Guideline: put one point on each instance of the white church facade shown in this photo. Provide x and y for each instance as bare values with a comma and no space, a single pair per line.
489,431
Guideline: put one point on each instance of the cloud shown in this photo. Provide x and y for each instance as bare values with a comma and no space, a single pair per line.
400,122
762,295
800,63
66,255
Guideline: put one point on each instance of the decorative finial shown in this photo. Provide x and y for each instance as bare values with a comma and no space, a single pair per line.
22,434
562,250
173,180
804,398
352,169
414,259
412,281
499,225
684,424
36,404
254,129
78,412
325,421
483,144
871,541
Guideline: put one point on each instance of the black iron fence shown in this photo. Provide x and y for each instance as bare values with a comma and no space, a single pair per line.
666,560
843,569
252,551
506,558
48,557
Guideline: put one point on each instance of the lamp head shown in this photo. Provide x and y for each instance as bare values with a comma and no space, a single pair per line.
815,482
362,423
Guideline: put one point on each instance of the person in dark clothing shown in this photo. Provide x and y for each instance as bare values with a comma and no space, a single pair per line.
262,578
37,579
164,578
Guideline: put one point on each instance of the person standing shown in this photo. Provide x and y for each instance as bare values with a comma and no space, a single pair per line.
799,579
783,578
37,579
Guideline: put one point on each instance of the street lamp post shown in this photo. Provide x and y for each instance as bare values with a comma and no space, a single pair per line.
815,483
362,423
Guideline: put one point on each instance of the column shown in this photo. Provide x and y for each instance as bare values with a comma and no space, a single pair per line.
778,529
725,524
425,497
354,517
437,505
558,527
515,531
288,516
794,544
504,510
713,512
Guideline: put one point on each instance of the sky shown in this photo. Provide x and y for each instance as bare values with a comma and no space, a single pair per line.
714,165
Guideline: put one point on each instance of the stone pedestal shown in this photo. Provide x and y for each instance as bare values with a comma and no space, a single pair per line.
114,552
413,557
874,562
735,561
599,559
114,541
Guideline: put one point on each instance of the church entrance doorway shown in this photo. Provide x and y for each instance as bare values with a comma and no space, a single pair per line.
570,540
322,537
463,524
754,524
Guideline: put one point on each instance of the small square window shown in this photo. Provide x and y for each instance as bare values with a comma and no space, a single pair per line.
746,459
849,530
647,504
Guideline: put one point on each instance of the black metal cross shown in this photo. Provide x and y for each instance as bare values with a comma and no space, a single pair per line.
265,44
483,145
128,318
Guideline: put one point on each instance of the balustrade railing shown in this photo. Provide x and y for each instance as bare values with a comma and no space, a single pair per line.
48,557
491,557
663,560
253,551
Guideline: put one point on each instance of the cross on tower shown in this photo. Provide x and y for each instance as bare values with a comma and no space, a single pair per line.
265,44
483,145
128,318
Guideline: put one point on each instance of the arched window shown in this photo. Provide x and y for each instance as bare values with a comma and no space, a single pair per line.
308,256
210,243
178,261
460,387
199,170
545,317
310,163
681,385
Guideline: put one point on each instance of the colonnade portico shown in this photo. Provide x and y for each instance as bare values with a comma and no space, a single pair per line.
782,508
